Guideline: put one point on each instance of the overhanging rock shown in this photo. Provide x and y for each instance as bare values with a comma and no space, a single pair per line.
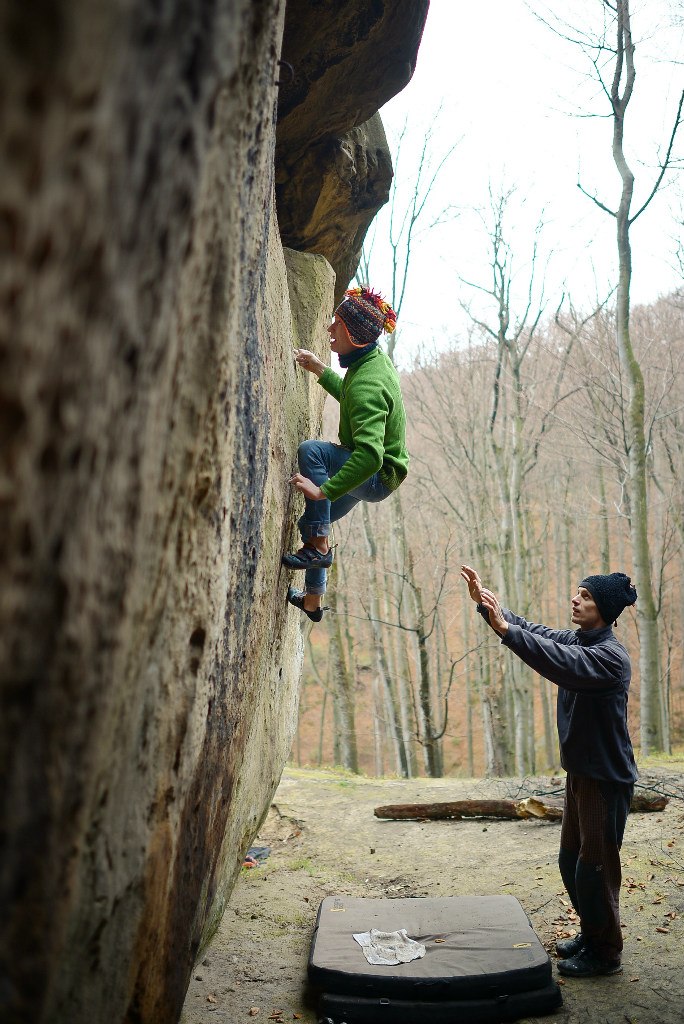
333,166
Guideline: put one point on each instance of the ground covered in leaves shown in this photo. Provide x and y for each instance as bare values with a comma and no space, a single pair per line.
325,840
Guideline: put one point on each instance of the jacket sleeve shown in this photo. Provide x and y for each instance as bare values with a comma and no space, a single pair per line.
331,382
559,635
367,424
581,669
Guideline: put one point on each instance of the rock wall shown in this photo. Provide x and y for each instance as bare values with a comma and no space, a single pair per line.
150,412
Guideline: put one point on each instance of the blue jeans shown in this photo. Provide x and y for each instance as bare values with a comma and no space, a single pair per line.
320,460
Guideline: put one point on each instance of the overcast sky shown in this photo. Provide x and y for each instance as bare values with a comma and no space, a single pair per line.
514,97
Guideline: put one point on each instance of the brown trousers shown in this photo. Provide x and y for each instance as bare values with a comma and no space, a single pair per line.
594,818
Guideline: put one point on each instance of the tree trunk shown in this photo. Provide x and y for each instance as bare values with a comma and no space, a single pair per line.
507,470
377,730
495,720
391,702
431,745
522,676
343,690
399,668
470,752
649,667
345,620
604,531
547,691
548,807
321,728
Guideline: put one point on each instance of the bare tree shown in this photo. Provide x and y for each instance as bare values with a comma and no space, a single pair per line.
343,690
407,218
509,430
392,709
618,93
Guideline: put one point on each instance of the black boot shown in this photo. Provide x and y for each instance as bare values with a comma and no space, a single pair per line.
569,947
296,598
587,964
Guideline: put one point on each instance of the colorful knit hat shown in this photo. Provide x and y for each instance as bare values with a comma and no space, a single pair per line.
611,593
366,315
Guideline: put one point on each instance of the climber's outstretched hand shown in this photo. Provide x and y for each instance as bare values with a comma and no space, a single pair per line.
308,488
309,361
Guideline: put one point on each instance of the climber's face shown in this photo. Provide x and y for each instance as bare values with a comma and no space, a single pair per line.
340,341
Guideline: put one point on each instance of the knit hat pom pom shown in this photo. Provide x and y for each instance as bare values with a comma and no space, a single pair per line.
390,317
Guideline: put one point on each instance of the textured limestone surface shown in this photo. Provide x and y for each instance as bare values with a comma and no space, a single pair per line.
333,166
297,310
150,413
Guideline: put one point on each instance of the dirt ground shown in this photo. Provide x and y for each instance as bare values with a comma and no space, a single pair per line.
325,840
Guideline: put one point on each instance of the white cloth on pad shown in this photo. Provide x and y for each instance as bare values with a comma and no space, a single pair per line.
389,948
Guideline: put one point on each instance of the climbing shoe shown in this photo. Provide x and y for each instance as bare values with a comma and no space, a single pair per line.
570,947
586,964
296,597
308,557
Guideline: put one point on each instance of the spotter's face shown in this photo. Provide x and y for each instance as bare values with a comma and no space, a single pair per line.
585,614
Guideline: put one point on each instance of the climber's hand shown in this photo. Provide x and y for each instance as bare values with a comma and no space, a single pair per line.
309,361
308,488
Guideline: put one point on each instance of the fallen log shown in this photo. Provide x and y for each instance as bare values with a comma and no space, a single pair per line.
548,807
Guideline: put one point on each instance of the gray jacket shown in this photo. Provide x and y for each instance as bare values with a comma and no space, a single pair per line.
592,671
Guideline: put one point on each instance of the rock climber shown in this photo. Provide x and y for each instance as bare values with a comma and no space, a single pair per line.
371,460
592,671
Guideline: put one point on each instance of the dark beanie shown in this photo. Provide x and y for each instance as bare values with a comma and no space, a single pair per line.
611,593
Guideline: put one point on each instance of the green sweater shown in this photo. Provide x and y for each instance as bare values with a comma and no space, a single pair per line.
372,424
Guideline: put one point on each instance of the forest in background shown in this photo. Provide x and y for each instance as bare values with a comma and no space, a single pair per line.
520,468
546,445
